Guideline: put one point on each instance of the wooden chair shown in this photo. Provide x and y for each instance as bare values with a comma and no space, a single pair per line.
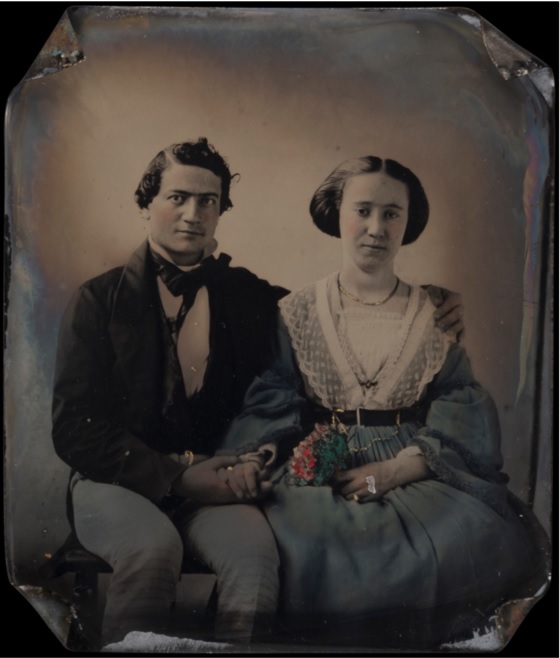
73,558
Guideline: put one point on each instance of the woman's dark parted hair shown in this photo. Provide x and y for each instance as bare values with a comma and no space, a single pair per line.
197,154
325,204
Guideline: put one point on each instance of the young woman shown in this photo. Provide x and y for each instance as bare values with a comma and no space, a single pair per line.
412,538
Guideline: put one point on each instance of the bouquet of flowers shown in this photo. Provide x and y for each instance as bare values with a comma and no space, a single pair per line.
316,459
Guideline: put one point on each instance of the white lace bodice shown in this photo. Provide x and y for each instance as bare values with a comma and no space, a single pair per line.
355,326
331,345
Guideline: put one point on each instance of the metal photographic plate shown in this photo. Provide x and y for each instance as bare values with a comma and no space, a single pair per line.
460,554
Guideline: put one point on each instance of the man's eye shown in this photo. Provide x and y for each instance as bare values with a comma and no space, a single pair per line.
176,198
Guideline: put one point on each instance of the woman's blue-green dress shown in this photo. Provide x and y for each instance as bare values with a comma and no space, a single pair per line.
429,550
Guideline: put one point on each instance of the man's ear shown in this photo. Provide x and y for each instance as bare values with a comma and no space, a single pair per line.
145,213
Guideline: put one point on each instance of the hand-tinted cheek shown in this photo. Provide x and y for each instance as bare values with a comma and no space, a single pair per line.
351,230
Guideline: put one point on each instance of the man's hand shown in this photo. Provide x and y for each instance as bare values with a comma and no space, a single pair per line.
449,313
201,482
247,480
182,459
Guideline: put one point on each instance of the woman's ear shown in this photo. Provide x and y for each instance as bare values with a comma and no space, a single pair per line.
145,213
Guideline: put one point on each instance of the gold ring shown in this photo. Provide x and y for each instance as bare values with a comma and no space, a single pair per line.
229,468
355,497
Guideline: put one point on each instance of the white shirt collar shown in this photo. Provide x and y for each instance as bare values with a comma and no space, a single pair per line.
210,249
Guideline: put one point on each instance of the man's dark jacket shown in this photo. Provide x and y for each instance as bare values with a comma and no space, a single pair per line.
108,422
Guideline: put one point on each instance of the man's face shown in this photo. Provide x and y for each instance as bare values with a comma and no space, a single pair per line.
183,216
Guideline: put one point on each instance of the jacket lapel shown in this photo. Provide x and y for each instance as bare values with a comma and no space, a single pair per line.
135,329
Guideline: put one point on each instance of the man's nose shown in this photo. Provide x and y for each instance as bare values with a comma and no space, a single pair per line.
189,210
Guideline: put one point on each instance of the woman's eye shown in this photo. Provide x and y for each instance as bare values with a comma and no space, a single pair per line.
176,198
391,214
363,212
208,202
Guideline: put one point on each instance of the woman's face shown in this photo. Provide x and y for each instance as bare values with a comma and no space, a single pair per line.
373,217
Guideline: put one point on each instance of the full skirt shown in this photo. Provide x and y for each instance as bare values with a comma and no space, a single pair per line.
421,550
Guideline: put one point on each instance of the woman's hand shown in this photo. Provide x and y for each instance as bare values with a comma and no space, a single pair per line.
408,466
449,311
352,484
247,480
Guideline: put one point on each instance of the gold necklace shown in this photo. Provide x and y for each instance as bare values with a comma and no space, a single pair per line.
361,301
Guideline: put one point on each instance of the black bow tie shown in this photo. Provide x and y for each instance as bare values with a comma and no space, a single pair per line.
187,283
179,282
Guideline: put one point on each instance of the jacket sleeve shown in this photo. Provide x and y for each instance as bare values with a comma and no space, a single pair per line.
88,430
461,436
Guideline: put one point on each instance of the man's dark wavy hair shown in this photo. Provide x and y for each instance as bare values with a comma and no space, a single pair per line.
326,201
197,154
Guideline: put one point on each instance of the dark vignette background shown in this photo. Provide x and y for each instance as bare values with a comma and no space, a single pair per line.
527,24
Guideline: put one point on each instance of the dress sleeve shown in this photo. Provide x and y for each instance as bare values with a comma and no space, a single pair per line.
272,407
88,432
461,437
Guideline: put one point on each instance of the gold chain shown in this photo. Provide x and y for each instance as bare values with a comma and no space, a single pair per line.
335,421
361,301
376,440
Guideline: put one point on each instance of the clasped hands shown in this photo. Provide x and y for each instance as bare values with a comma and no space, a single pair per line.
221,480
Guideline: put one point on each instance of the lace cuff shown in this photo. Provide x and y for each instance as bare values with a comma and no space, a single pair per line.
265,455
411,451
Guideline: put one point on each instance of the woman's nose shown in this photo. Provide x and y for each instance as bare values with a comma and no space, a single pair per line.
375,225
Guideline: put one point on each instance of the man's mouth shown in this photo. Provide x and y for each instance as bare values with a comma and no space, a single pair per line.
191,233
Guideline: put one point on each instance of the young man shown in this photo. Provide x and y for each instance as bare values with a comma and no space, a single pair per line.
154,359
